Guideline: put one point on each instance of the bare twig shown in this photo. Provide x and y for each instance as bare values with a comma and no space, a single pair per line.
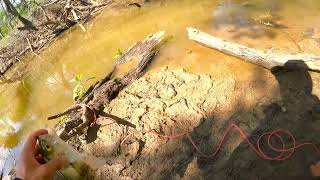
31,49
126,138
91,7
69,110
44,12
75,16
68,5
30,46
50,3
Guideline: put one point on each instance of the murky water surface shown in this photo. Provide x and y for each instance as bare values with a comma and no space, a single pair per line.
43,85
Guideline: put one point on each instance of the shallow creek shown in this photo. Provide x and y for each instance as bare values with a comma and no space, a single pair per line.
43,85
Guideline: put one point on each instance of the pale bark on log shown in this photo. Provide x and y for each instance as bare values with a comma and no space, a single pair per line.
266,59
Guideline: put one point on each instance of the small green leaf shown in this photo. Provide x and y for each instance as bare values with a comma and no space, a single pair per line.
118,53
78,77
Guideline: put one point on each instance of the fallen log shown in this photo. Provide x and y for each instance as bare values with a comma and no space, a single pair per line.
266,59
88,108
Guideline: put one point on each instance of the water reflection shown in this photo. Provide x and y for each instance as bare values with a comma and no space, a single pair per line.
8,158
9,132
229,13
10,135
248,18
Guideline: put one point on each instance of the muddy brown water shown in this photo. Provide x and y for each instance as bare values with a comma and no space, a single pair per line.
43,85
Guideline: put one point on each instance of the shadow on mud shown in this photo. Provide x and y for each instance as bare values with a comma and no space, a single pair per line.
146,156
299,112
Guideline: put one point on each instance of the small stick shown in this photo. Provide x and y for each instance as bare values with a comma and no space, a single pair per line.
30,46
69,110
50,3
126,138
76,18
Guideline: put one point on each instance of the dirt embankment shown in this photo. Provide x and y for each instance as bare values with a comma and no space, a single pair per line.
175,101
169,101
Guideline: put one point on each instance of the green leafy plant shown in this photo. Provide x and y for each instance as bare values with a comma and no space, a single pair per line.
78,77
8,23
118,54
78,92
23,10
79,88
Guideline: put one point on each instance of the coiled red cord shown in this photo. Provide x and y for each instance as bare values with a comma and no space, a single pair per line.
283,153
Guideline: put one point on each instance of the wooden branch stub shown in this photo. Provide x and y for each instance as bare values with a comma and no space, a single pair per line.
268,60
141,48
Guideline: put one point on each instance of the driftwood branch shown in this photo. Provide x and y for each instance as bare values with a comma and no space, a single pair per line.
100,94
68,111
266,59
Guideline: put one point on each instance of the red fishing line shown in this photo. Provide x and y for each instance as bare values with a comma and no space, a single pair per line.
284,152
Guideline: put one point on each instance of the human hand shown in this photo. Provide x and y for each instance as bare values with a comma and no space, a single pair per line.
29,165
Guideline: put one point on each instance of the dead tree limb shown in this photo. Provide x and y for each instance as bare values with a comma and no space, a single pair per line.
99,95
266,59
12,10
68,111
